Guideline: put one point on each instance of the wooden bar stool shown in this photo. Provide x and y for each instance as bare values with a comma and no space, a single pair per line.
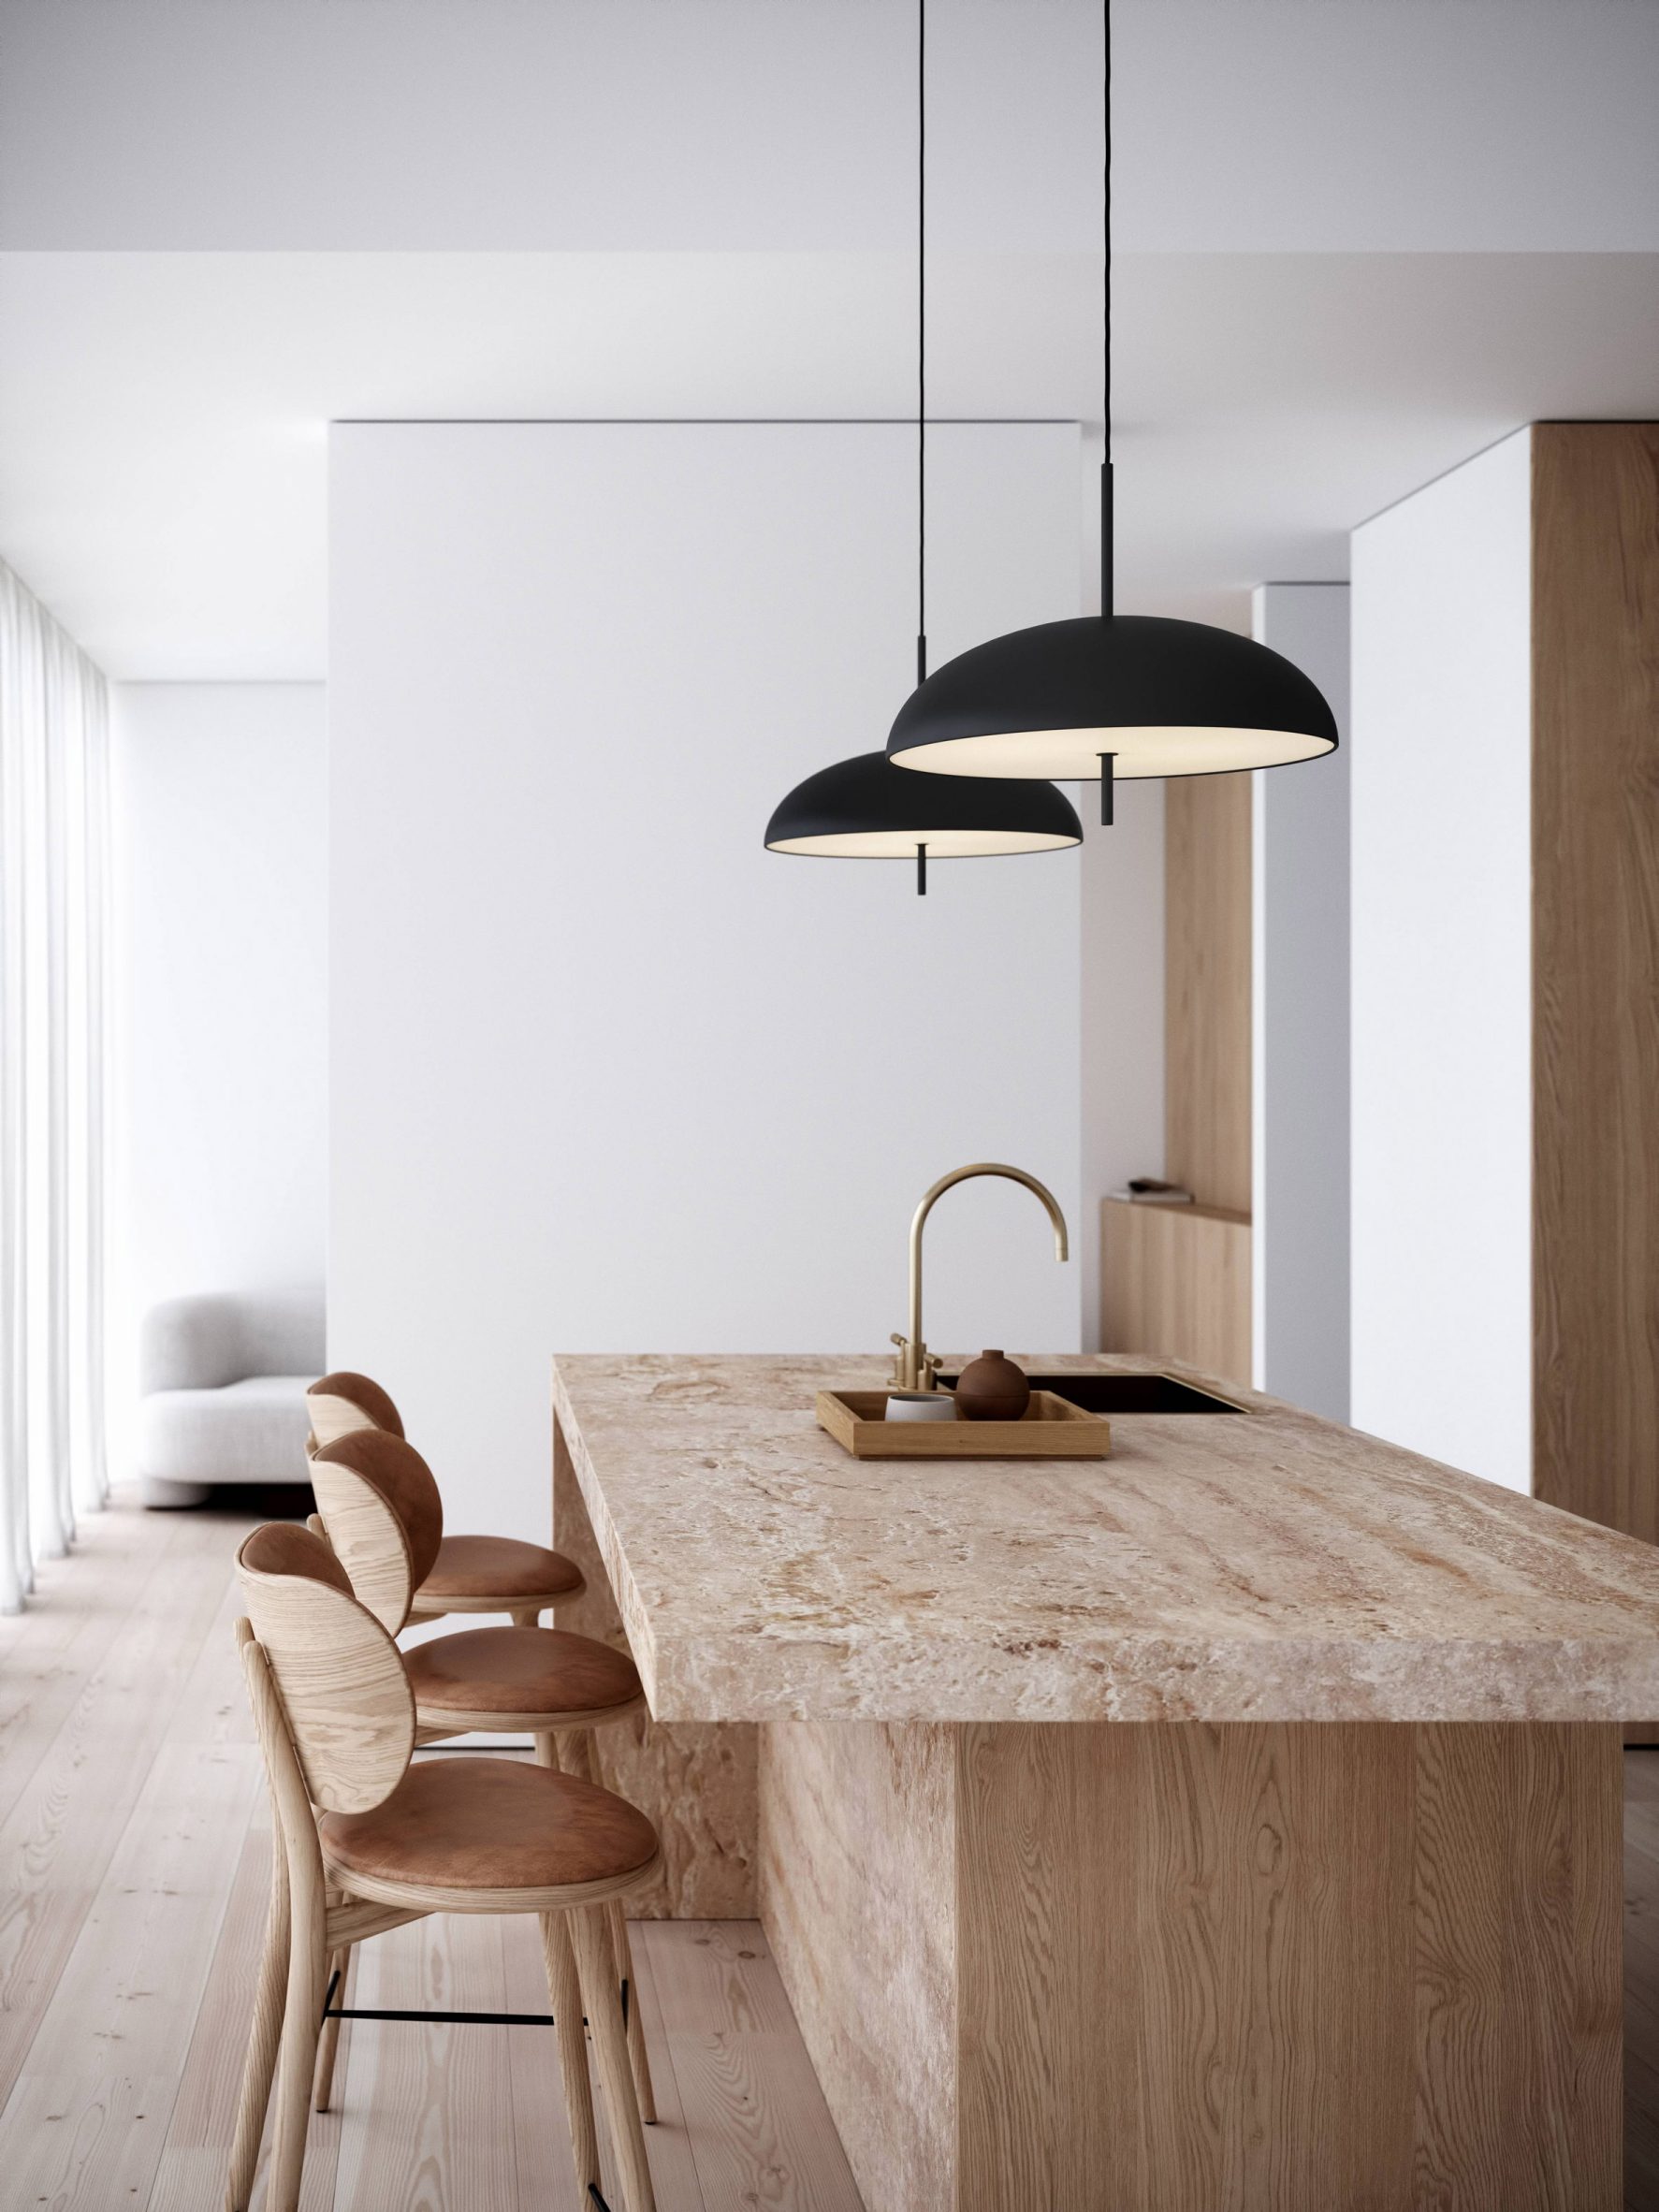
366,1842
467,1573
383,1518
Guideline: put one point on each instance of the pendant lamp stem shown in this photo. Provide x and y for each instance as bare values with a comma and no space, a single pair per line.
1108,581
921,341
920,871
1108,788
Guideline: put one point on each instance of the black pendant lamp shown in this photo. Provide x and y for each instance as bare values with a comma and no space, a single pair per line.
865,809
1112,695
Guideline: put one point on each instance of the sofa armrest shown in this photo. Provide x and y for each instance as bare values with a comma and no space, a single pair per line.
190,1344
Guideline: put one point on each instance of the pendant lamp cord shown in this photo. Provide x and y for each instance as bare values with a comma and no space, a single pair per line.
1107,579
921,341
1107,576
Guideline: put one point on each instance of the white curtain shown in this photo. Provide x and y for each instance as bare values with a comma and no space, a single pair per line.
53,916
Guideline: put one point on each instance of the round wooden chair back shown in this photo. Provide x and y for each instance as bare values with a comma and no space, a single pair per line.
344,1696
381,1506
343,1403
366,1538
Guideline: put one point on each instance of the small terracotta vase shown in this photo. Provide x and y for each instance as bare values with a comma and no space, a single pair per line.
991,1389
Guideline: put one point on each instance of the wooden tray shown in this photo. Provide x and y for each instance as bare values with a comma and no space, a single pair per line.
1053,1429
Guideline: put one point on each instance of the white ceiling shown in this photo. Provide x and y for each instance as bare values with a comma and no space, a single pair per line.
789,125
1359,239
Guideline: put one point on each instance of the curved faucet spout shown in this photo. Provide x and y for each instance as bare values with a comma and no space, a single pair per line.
915,1367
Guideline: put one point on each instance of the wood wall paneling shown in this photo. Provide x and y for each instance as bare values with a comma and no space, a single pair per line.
1175,1280
1207,928
1596,956
1181,1286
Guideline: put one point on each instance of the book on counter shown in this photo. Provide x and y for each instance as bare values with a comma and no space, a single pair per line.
1146,1191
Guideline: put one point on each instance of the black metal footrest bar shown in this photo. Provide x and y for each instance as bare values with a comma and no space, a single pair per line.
353,2012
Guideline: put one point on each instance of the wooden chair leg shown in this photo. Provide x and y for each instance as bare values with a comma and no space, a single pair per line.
564,1988
578,1753
265,2033
637,2058
546,1752
340,1963
597,1967
308,1978
525,1616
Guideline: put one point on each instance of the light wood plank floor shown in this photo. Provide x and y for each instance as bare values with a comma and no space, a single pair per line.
135,1849
134,1852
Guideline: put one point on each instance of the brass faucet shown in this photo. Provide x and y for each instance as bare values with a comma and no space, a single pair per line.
915,1367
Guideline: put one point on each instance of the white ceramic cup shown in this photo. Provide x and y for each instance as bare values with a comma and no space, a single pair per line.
929,1406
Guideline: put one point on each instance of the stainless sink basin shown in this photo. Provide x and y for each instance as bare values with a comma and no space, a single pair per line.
1124,1394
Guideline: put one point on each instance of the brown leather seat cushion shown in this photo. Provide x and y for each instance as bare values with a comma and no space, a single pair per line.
486,1823
519,1670
498,1567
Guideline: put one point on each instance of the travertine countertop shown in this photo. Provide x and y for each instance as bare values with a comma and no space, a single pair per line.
1267,1566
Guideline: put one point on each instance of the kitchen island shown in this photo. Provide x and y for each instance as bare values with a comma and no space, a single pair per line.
1233,1822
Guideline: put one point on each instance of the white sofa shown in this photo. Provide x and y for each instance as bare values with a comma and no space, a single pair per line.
222,1382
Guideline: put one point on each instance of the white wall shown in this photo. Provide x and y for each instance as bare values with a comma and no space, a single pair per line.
606,1075
1300,1029
1441,1062
218,826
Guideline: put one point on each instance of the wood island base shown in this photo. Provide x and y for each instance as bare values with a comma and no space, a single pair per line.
1313,1967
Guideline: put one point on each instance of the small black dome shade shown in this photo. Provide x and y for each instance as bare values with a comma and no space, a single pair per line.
865,809
1165,698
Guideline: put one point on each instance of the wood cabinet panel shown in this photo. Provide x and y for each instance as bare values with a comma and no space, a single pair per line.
1207,927
1595,969
1175,1282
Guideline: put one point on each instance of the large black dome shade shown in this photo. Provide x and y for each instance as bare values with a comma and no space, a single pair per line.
865,809
1165,698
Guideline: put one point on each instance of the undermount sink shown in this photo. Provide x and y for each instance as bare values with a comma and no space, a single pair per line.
1124,1394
